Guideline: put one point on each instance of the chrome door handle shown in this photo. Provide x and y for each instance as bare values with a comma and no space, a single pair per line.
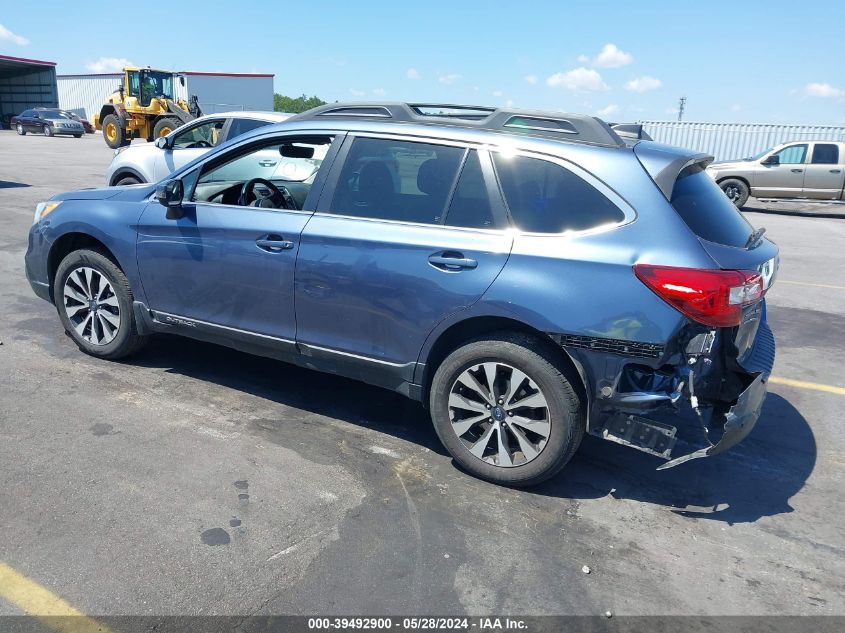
266,163
835,171
274,243
452,261
797,171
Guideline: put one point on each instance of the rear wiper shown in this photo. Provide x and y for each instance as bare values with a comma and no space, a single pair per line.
756,235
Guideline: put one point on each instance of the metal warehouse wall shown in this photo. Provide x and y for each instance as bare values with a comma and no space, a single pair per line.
222,93
27,87
85,94
727,141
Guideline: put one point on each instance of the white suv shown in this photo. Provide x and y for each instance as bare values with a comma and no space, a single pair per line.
147,162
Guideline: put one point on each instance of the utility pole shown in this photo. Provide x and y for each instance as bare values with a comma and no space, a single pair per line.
681,104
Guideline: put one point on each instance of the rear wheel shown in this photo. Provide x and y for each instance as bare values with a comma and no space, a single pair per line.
94,302
165,126
20,130
113,132
48,131
506,410
736,190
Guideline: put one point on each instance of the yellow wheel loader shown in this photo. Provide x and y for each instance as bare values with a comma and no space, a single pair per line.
144,106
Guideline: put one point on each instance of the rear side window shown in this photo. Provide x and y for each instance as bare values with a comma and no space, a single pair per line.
396,180
470,206
242,126
825,154
707,211
543,197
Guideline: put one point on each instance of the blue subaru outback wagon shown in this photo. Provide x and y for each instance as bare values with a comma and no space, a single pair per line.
528,276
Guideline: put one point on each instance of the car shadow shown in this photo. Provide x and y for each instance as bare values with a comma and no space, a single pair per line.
754,479
7,184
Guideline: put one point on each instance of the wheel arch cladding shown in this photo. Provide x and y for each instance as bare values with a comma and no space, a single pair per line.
68,243
471,328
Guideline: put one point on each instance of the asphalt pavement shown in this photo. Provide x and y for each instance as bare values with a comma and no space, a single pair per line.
193,479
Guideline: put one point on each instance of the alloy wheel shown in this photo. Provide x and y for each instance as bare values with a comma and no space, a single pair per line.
500,414
91,305
732,192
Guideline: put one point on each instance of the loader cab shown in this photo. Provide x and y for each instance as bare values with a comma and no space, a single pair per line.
145,84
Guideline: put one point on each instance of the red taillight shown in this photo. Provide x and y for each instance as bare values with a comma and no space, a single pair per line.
711,297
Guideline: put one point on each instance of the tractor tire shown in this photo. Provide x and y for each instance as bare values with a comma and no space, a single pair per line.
113,132
165,126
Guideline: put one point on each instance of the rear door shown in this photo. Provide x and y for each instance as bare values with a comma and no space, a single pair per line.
406,234
785,179
824,176
189,143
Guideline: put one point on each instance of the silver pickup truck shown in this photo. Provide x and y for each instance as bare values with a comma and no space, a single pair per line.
806,169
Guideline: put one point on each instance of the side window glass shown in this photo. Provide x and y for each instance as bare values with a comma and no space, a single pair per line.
205,135
134,84
792,155
825,154
470,206
544,197
242,126
396,180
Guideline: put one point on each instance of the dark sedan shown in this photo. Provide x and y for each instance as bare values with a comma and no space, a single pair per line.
48,122
86,124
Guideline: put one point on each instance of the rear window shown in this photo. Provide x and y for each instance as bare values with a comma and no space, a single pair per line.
707,210
543,197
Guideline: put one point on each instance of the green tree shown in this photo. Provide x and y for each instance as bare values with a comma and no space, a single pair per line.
294,105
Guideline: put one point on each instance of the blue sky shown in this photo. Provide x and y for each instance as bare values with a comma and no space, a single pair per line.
775,61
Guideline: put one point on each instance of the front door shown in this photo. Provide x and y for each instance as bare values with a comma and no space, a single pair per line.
782,180
825,175
400,244
228,262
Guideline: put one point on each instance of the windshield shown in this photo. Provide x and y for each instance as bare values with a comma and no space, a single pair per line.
707,211
47,114
157,84
760,155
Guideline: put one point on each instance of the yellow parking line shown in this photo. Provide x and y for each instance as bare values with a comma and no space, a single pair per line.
801,384
38,601
806,283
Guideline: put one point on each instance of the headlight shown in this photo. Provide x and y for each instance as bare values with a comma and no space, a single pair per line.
42,209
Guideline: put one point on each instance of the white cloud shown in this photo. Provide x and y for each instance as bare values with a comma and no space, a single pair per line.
609,111
379,92
412,73
736,107
448,80
532,79
823,90
6,34
498,93
509,103
357,93
109,65
643,84
578,80
610,56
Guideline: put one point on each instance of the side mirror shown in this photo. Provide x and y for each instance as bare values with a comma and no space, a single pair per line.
162,142
774,159
169,194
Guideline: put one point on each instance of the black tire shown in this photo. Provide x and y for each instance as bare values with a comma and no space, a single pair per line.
165,126
48,131
566,413
119,139
77,135
736,190
127,180
20,130
126,340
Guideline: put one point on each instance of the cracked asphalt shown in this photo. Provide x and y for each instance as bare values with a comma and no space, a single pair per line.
193,479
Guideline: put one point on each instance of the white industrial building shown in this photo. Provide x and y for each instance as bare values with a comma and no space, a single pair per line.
216,92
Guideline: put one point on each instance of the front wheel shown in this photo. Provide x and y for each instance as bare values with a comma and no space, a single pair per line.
506,410
736,190
77,135
113,132
20,130
94,302
48,131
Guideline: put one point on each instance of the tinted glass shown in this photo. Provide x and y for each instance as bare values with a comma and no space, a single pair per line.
470,206
205,135
396,180
241,126
825,154
707,211
792,155
546,198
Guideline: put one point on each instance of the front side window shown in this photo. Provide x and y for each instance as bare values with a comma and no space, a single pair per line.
825,154
792,155
134,83
544,197
397,180
205,135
